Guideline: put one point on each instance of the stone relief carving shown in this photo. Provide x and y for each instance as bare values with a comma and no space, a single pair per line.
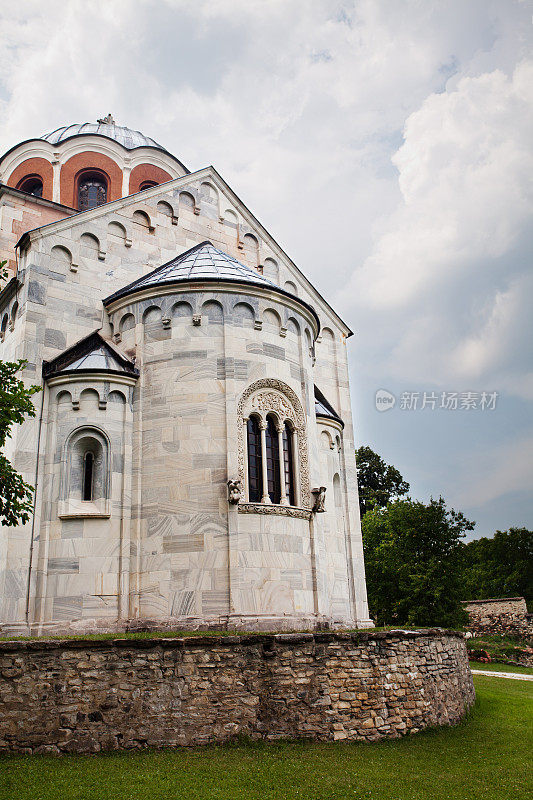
319,506
270,394
282,511
234,491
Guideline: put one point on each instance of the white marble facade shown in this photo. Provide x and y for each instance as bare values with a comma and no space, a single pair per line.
160,380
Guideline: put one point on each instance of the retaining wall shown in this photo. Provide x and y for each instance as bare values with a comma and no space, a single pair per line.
499,617
85,696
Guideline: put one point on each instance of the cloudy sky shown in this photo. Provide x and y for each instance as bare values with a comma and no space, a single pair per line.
387,146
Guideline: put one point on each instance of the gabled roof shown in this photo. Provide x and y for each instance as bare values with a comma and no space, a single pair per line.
324,409
204,263
91,354
207,173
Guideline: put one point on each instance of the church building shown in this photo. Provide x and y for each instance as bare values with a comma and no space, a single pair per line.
192,451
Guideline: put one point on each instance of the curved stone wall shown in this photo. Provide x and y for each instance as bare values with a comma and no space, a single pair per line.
85,696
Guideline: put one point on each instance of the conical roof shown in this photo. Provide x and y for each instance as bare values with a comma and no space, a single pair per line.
325,409
204,262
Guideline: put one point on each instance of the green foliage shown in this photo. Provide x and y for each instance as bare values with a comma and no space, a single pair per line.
15,405
498,567
488,756
378,482
412,553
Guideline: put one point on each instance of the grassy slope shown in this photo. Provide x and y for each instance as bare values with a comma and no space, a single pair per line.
486,757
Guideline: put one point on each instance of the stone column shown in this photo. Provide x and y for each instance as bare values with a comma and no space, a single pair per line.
246,482
296,466
266,498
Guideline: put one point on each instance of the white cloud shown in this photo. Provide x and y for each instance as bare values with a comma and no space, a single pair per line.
449,273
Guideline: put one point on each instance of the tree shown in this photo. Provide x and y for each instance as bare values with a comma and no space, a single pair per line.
15,405
412,553
379,483
498,567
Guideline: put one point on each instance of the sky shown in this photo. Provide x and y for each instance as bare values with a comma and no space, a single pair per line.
387,147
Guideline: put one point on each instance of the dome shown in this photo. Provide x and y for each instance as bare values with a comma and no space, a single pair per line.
107,127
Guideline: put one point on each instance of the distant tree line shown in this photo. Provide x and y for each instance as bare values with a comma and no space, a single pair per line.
417,568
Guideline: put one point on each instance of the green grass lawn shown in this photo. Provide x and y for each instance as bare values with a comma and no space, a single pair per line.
497,667
487,757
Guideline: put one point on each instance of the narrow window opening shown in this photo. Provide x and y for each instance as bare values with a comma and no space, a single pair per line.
288,464
92,191
255,473
32,185
88,470
272,454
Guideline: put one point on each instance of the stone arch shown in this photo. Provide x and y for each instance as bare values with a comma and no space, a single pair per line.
142,218
214,312
13,314
152,315
328,337
82,440
127,323
165,208
325,440
63,255
267,395
182,309
293,326
90,242
291,287
117,396
270,269
186,200
117,230
271,320
230,218
63,396
243,315
90,396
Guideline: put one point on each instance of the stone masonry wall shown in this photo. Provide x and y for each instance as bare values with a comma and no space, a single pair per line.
499,616
86,696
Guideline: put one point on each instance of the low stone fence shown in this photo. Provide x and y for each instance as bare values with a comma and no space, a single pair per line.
506,616
85,696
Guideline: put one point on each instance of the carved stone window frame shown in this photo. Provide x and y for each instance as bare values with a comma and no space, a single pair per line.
272,396
71,503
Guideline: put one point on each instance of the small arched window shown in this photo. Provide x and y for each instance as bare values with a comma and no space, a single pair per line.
32,185
88,469
255,464
92,190
272,460
288,464
147,185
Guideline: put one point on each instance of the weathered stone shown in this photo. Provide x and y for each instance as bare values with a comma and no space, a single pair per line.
52,701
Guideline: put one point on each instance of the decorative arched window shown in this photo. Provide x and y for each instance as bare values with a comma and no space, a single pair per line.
273,463
288,463
32,185
92,190
255,464
147,185
86,479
